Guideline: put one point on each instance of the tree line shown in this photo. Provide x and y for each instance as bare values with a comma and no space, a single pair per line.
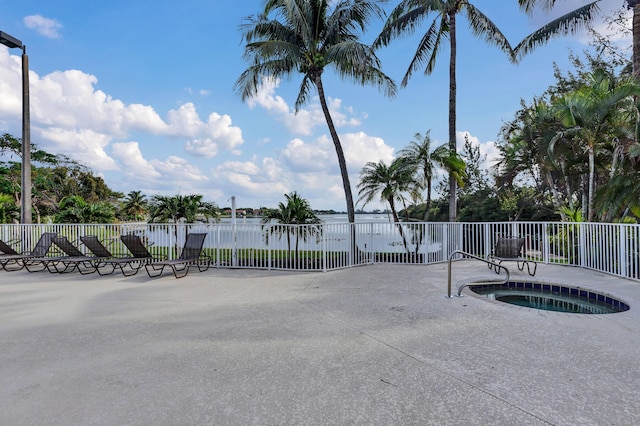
65,191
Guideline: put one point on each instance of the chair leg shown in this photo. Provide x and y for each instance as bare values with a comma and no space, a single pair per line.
535,266
155,269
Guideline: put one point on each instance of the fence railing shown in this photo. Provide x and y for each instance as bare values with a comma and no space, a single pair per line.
606,247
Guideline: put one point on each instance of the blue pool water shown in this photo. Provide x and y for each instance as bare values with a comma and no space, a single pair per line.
552,297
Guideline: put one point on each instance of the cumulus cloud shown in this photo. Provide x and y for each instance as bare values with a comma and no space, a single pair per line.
44,26
261,180
176,170
73,117
320,155
308,167
133,163
307,119
83,145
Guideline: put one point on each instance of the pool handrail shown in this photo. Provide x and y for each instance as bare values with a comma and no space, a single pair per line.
491,264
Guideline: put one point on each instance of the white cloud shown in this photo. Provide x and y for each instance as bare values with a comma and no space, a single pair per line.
133,163
261,180
306,120
87,146
175,170
67,107
360,148
44,26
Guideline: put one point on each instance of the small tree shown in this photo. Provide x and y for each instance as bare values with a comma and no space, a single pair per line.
75,209
296,211
172,209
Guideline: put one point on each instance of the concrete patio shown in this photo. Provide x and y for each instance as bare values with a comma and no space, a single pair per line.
370,345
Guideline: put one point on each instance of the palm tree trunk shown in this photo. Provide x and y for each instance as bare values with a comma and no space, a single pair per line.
428,206
636,39
336,142
396,219
592,170
452,112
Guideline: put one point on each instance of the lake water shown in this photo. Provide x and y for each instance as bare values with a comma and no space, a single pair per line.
327,218
375,233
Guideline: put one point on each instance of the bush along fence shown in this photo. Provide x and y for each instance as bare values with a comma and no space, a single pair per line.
606,247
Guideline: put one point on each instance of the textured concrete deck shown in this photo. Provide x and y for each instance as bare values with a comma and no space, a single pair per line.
370,345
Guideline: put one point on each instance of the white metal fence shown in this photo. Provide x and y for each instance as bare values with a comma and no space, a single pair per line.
610,248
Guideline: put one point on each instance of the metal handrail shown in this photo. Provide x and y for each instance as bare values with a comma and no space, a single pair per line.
460,288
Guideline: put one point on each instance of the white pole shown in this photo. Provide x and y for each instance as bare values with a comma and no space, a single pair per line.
234,254
233,209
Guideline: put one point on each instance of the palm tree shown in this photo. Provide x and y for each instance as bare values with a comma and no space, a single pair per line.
135,205
296,211
172,209
586,115
388,184
191,208
525,150
307,36
425,160
75,209
407,16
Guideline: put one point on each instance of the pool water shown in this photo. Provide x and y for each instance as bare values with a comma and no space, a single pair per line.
551,297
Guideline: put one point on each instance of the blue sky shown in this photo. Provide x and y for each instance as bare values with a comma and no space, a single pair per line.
142,93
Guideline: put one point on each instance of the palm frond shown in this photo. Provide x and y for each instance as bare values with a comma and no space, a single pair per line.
569,23
483,27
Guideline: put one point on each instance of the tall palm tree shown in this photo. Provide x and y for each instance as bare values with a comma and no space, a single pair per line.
296,211
306,37
406,18
586,115
635,6
426,160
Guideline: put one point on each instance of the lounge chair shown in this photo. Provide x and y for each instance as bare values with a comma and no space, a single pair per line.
511,249
128,265
15,262
191,256
74,260
7,249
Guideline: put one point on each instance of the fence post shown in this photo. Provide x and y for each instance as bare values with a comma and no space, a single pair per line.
622,255
582,249
324,246
445,240
487,240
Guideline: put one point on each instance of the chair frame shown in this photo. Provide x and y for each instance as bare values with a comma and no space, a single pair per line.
29,259
6,249
511,249
191,255
74,260
128,265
